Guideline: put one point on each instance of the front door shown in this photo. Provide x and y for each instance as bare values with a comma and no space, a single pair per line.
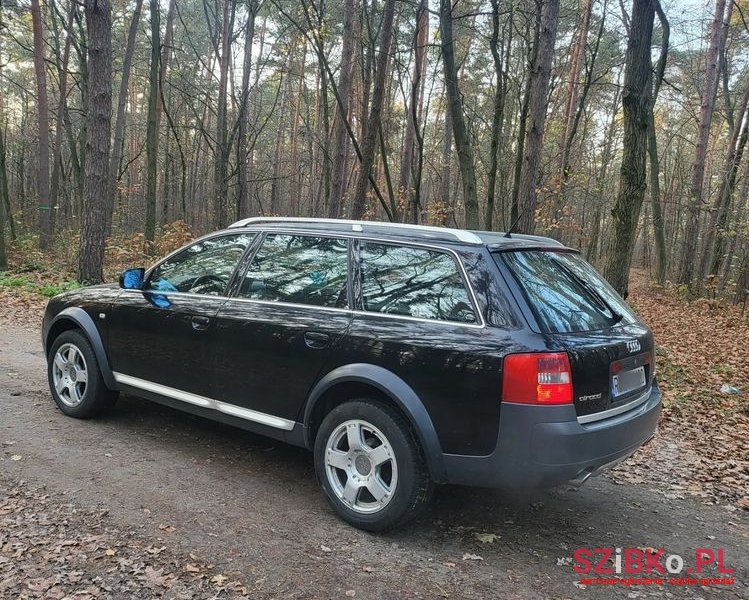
161,335
286,321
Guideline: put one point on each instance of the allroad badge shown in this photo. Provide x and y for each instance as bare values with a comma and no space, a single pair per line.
634,345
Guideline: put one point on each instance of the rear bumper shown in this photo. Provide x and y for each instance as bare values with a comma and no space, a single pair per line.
544,446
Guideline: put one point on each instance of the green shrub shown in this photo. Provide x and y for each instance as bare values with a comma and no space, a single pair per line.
49,289
9,280
52,289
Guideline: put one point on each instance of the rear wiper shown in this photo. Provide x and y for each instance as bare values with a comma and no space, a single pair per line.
593,292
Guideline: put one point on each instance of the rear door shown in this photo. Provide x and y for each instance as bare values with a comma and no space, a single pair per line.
281,326
611,350
417,317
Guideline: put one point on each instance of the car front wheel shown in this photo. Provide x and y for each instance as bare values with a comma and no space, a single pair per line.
75,379
370,466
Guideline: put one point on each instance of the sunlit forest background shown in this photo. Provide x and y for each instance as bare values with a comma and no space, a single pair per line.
618,127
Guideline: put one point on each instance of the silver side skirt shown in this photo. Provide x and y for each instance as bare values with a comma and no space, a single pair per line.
202,401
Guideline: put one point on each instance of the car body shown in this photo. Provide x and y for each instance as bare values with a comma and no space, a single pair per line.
500,360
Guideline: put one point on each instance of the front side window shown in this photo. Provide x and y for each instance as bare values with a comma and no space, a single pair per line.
203,268
414,282
298,269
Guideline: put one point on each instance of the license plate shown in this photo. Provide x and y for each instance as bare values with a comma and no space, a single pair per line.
628,381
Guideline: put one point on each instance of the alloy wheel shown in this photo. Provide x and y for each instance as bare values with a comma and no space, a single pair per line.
361,466
70,375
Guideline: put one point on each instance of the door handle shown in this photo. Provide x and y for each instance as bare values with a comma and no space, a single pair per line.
316,340
200,323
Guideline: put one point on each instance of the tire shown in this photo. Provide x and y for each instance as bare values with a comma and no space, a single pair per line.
371,488
75,378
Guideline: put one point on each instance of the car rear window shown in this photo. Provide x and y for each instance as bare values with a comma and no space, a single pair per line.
564,292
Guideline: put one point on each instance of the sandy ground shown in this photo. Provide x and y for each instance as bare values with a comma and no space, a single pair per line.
150,502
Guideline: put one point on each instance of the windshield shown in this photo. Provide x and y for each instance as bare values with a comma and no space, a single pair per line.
565,293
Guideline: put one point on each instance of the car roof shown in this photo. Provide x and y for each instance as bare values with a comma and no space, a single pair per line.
402,231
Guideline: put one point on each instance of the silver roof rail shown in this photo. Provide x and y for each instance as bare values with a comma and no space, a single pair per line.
460,235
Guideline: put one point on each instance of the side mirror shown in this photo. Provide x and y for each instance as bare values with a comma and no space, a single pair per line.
132,279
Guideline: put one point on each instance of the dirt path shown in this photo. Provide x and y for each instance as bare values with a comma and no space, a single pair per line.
150,501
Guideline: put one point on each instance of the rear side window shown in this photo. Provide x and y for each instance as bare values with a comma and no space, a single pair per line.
565,293
298,269
414,282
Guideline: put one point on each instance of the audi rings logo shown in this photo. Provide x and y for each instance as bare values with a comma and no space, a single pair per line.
634,345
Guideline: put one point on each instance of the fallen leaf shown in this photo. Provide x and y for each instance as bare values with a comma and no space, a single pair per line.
468,556
156,576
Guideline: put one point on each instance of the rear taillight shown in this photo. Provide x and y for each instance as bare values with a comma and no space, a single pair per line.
538,378
652,363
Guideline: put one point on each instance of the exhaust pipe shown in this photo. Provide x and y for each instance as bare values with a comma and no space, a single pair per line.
581,478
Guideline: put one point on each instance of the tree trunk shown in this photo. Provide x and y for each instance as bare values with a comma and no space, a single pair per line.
76,163
166,53
369,143
40,68
591,253
340,132
498,115
661,260
152,135
463,144
636,103
243,151
221,168
661,255
119,127
321,198
276,179
712,246
62,77
4,213
294,141
405,179
522,122
570,106
538,102
691,233
741,206
445,211
4,197
99,28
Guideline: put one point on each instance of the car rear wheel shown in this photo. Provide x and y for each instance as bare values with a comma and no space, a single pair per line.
370,465
75,379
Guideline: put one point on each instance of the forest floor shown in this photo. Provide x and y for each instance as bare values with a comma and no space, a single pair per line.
150,502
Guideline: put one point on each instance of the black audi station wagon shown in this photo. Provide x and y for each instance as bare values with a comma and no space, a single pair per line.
403,356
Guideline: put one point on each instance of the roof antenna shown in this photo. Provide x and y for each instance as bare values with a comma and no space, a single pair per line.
514,224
